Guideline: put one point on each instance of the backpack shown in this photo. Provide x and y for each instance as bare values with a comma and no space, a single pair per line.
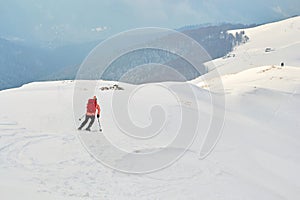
91,106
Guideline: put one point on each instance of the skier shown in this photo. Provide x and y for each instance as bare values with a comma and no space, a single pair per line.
91,108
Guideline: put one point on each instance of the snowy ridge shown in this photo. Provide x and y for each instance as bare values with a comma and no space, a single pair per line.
275,35
269,44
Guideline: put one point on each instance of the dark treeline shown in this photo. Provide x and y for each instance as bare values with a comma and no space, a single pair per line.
20,63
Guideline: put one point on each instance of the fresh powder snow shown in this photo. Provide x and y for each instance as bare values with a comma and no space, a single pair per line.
257,156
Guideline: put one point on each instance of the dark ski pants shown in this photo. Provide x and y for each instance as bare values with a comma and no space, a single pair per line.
87,117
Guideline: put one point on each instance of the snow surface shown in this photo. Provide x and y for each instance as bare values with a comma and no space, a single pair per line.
257,157
283,38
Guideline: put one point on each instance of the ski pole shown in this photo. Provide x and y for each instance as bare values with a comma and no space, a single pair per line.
81,117
100,129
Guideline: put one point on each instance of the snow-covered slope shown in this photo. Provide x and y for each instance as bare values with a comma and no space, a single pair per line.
282,38
42,157
256,158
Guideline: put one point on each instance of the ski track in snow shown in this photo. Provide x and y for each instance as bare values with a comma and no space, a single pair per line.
80,176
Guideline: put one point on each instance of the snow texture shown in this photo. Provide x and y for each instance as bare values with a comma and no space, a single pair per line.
257,157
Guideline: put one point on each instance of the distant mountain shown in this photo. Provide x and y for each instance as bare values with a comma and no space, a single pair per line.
68,59
214,39
193,27
21,63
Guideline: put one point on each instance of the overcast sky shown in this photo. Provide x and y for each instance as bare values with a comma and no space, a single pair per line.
84,20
